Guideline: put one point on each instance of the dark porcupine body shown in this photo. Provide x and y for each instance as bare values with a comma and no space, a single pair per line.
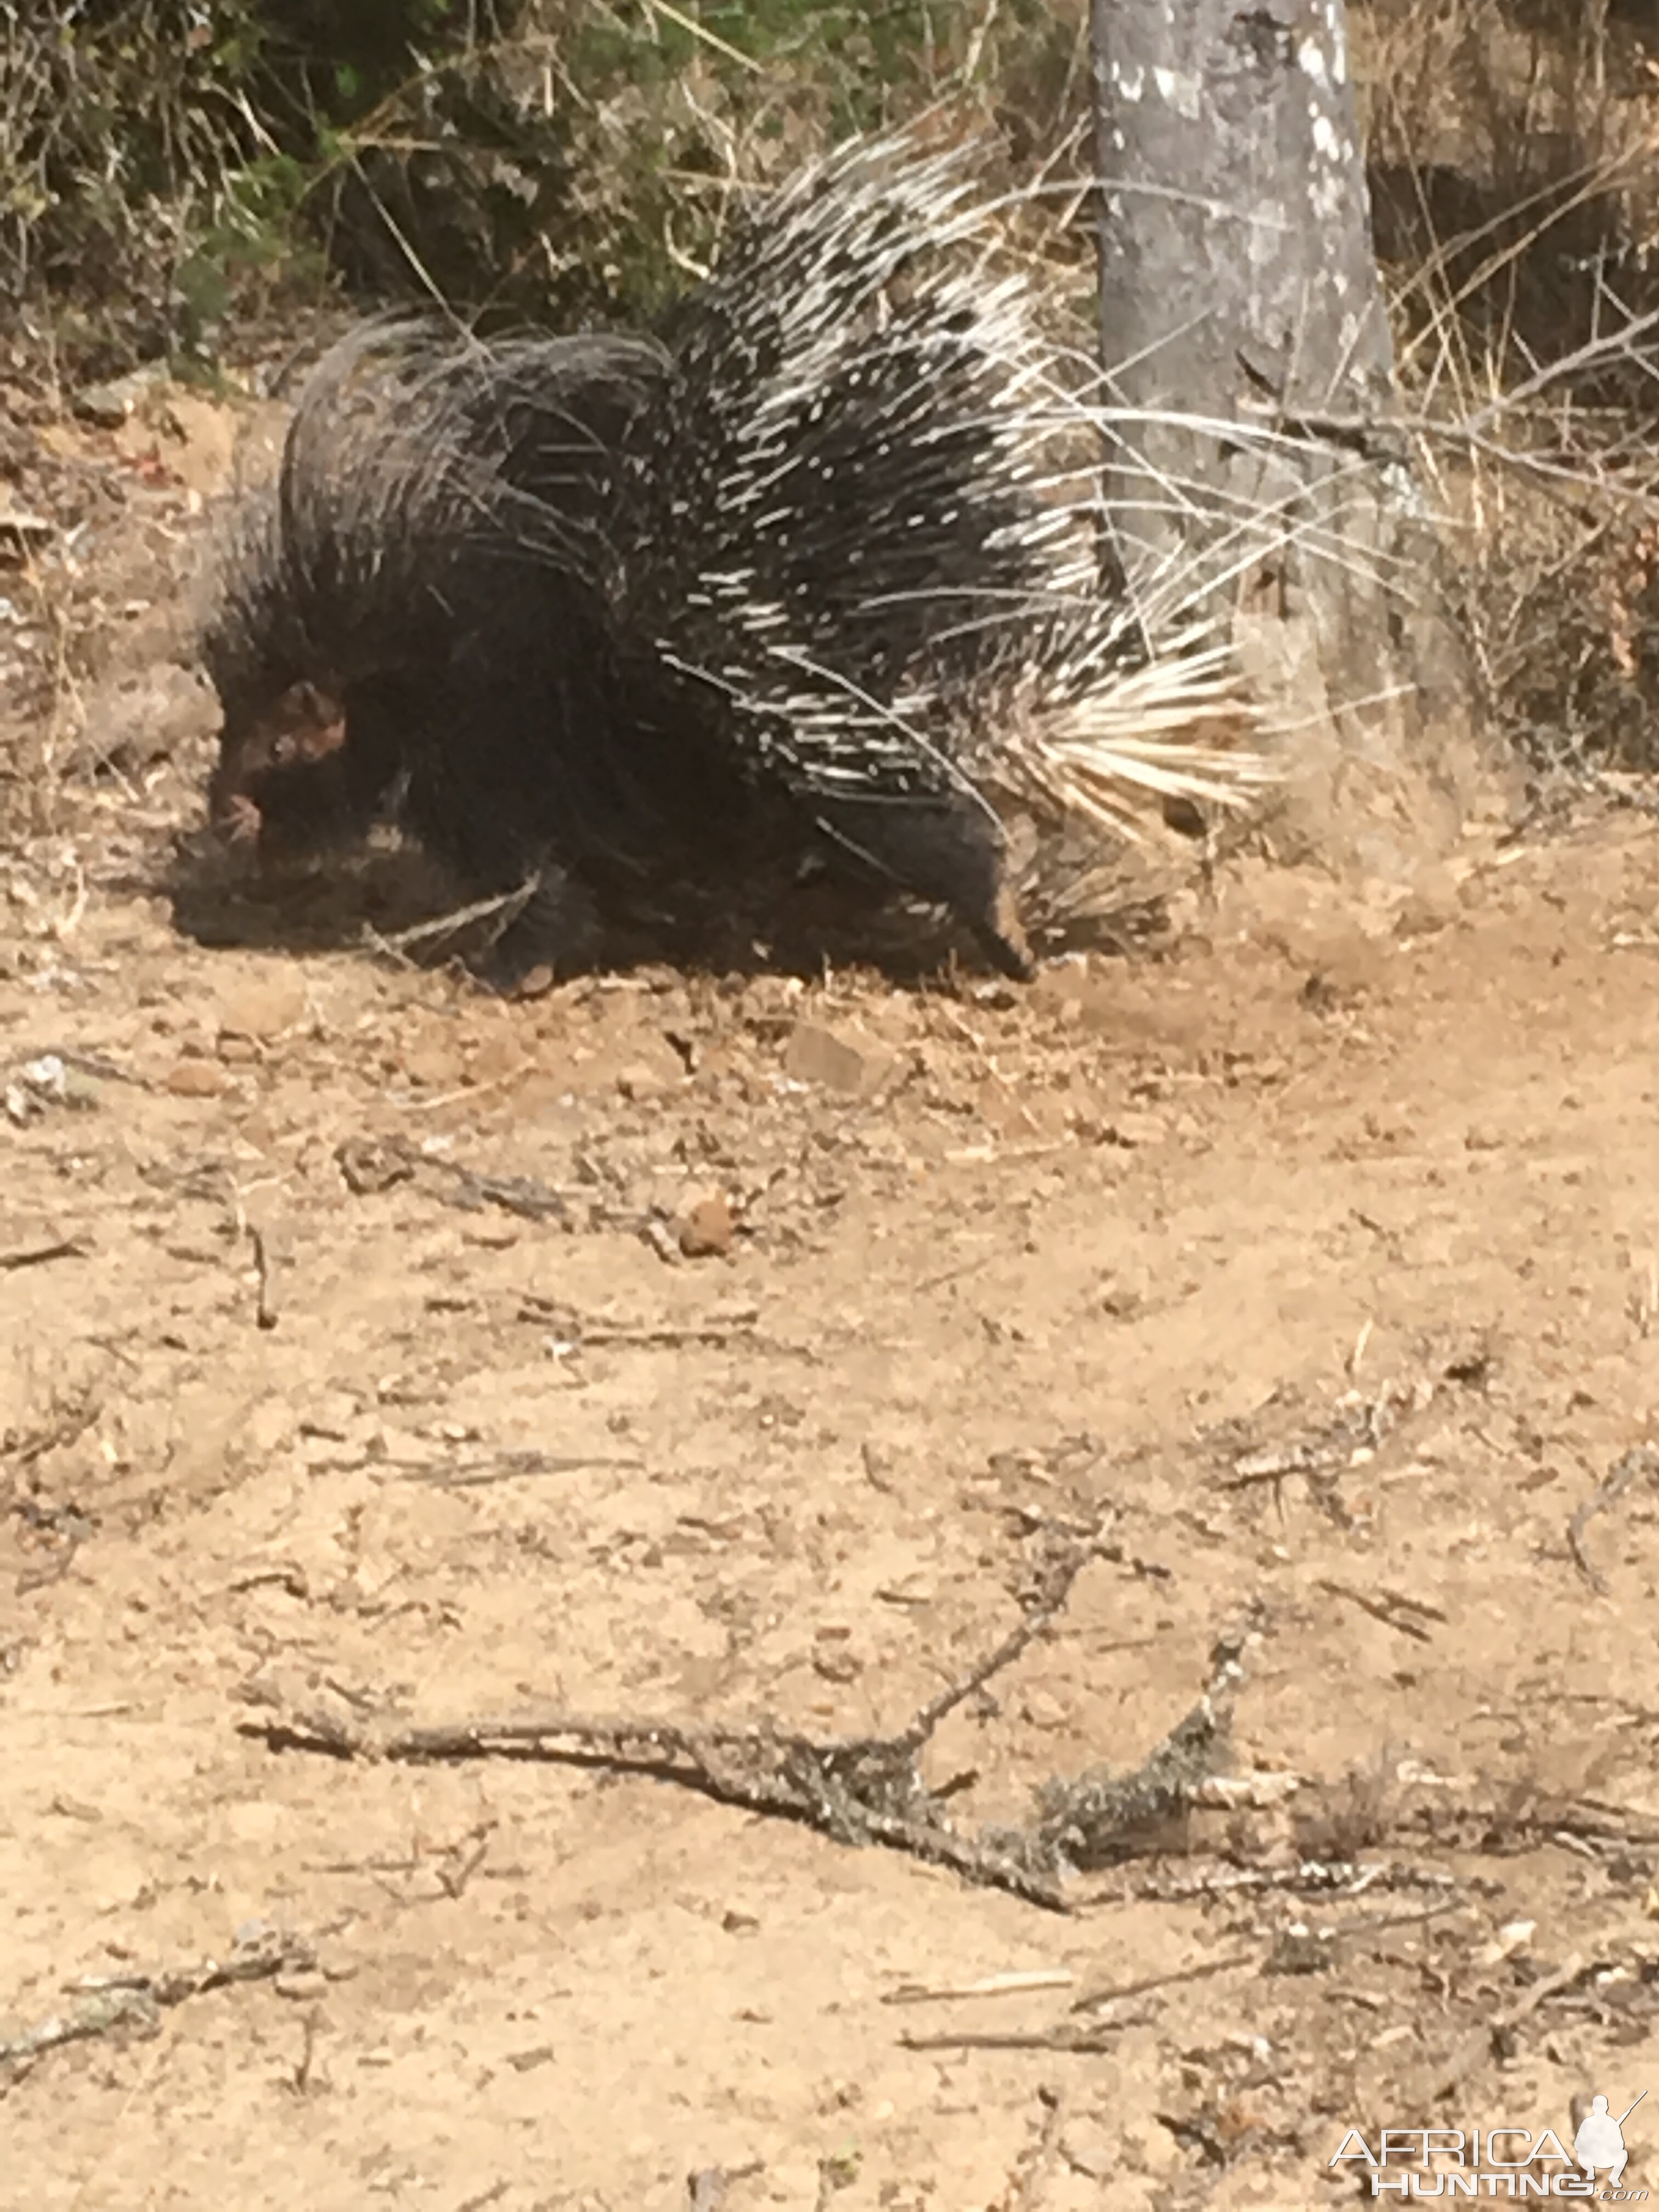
417,619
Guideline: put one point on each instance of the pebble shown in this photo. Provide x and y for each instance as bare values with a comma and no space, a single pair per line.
110,405
262,1011
432,1067
1043,1711
706,1229
497,1058
197,1078
834,1059
271,1427
138,717
1133,1129
639,1083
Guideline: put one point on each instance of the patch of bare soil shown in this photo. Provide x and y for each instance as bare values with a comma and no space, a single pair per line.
650,1384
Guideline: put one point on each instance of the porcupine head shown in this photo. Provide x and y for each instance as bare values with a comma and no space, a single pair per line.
276,790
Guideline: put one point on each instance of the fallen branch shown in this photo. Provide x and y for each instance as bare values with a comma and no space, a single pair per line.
1018,1982
1114,1992
1093,2040
137,2001
38,1255
511,1467
857,1790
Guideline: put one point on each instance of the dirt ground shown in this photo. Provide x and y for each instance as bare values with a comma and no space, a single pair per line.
687,1350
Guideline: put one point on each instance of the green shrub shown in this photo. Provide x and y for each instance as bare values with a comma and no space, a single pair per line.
162,162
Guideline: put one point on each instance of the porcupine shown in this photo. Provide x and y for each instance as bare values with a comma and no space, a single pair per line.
837,544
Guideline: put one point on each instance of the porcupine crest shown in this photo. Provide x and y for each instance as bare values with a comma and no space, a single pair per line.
889,521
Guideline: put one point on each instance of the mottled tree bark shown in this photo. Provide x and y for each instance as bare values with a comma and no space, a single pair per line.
1239,283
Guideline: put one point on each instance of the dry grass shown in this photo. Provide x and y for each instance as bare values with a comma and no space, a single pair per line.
1516,205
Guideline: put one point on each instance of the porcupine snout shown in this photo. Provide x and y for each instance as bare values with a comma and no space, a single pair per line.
950,850
278,783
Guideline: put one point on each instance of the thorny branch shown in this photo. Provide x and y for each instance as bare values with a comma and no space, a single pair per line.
1097,1818
137,2001
857,1790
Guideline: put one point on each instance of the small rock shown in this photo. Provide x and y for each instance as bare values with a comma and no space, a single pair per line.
368,1167
200,447
1133,1129
1436,900
1091,2149
197,1078
22,534
706,1229
49,1081
839,1061
271,1427
262,1011
302,1985
639,1083
1299,1949
497,1058
432,1067
1122,1300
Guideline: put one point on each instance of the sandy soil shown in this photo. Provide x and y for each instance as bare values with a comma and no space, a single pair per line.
693,1350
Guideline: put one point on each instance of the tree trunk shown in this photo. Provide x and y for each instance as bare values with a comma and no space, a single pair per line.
1239,284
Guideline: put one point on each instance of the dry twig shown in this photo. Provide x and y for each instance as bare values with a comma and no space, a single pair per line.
1640,1460
37,1255
268,1266
137,2001
1490,2036
1114,1992
1392,1607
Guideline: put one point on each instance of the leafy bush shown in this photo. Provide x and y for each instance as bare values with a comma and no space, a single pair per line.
563,156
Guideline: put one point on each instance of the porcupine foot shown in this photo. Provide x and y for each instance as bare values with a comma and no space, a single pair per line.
557,928
948,850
